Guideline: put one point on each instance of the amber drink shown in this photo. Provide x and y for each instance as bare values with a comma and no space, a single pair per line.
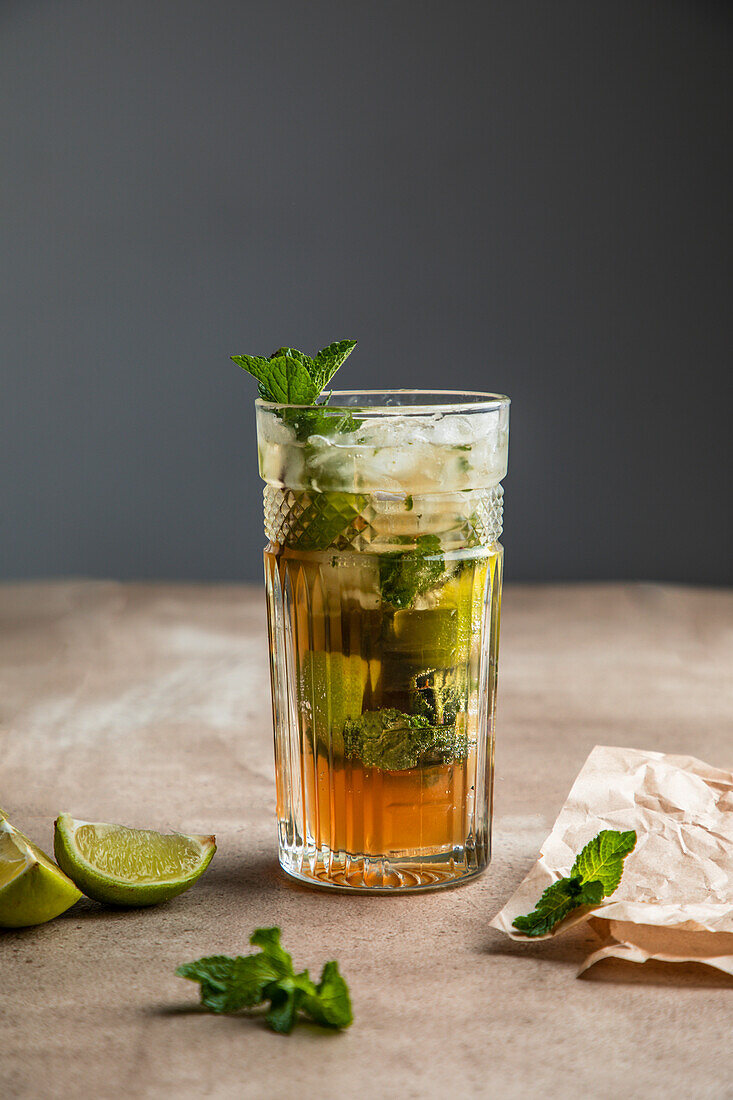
383,573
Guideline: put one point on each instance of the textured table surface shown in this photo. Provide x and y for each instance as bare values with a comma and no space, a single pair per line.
149,705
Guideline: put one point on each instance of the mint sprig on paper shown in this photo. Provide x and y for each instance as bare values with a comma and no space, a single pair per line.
290,377
558,900
230,984
595,875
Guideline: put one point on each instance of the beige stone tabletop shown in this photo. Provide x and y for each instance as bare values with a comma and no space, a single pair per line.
149,705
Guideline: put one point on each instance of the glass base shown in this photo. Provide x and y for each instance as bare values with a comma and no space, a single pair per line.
359,874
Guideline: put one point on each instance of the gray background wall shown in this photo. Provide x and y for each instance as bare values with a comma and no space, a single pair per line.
525,196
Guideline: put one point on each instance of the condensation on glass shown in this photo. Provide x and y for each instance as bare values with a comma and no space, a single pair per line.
383,569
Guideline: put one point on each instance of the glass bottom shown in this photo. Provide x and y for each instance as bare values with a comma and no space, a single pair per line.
359,874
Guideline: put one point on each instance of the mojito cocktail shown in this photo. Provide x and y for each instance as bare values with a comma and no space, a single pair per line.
383,572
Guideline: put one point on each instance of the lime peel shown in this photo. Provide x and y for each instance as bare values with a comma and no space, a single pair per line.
133,867
33,889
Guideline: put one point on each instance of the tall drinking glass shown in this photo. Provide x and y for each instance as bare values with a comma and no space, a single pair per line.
383,574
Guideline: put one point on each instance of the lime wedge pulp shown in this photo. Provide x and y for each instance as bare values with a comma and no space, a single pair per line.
32,888
122,866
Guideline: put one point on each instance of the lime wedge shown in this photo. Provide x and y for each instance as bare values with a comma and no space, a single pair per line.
466,592
32,888
122,866
331,688
428,638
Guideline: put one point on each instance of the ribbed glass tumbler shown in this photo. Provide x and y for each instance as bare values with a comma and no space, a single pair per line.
383,574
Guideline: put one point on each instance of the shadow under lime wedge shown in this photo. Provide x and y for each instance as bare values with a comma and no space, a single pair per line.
32,888
122,866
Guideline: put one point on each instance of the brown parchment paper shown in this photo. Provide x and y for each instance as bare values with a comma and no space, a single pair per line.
675,899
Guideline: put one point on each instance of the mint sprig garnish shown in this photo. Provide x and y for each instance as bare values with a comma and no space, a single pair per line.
230,984
290,377
595,875
328,360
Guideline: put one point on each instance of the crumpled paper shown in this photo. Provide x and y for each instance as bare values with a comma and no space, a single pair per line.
675,899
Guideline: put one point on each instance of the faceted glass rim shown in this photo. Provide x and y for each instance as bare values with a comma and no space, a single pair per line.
386,402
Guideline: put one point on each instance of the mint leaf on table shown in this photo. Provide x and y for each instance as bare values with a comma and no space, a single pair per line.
327,1003
231,984
405,574
290,377
330,1004
285,1000
595,875
268,939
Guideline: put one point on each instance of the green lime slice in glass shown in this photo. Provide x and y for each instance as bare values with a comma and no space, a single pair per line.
428,638
331,688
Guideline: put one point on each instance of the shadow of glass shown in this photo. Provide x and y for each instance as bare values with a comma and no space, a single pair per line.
246,872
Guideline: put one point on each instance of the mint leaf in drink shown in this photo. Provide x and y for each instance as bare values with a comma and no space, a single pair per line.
595,875
405,574
231,984
439,694
603,858
559,899
320,420
290,377
395,742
